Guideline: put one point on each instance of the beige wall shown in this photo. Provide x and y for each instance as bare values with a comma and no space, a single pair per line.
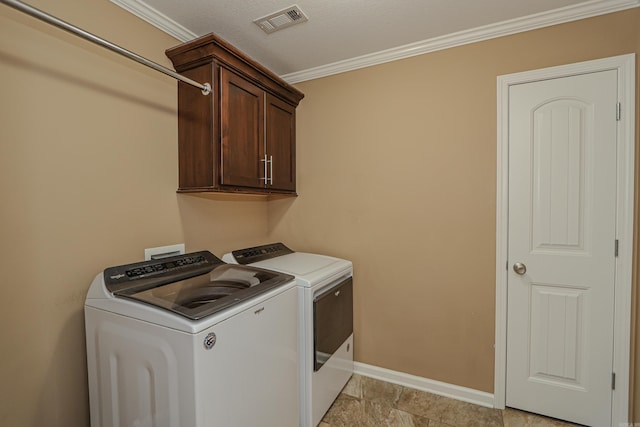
88,173
397,171
401,155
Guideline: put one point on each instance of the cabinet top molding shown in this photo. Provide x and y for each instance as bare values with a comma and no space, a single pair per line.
211,47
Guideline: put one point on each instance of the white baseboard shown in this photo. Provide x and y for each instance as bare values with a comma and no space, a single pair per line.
465,394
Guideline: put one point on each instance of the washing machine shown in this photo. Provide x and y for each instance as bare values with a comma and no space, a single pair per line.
326,320
192,341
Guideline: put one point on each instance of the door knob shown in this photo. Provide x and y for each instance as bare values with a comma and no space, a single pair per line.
519,268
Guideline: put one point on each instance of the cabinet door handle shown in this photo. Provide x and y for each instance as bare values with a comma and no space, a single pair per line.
266,178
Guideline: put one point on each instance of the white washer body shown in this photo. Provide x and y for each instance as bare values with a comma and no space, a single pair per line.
314,273
150,367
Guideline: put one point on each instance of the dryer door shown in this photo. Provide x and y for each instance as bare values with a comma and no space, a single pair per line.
332,320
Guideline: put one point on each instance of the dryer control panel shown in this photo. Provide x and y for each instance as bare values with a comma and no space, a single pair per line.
260,253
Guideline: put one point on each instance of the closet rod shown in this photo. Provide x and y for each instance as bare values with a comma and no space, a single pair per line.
43,16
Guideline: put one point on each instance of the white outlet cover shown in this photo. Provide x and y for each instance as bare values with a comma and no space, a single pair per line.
163,251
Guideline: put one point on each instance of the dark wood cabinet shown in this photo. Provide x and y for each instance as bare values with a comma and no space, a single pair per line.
242,129
280,137
241,138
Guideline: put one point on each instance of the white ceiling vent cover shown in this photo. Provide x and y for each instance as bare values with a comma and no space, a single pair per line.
281,19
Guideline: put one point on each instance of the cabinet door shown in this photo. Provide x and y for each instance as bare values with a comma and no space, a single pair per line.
197,136
281,143
242,129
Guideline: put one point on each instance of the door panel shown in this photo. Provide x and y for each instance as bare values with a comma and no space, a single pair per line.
558,174
562,186
557,341
281,136
242,124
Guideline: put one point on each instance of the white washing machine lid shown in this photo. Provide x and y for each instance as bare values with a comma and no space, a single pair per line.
309,269
184,292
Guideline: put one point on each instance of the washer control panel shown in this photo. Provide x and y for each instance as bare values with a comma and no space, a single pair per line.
160,271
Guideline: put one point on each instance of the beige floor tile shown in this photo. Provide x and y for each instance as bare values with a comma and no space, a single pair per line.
353,387
448,411
515,418
398,418
376,412
350,412
345,411
366,402
469,415
433,423
423,404
376,390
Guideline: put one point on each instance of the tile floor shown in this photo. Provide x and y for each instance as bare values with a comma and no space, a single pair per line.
366,402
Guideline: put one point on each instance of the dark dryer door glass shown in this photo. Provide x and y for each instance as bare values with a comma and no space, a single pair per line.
332,320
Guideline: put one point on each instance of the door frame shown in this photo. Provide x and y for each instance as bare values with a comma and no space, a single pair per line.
625,66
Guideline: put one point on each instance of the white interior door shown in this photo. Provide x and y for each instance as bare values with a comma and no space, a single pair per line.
562,228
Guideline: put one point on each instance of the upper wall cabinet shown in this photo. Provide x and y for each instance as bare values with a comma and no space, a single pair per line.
241,138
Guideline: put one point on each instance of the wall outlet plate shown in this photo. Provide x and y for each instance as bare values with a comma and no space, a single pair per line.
163,251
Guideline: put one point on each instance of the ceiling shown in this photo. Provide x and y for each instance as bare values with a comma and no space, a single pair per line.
348,34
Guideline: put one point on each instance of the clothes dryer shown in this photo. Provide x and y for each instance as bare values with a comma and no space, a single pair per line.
326,320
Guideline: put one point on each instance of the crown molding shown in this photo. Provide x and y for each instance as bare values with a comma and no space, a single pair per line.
157,19
487,32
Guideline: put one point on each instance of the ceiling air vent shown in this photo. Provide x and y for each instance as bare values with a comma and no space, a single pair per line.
281,19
